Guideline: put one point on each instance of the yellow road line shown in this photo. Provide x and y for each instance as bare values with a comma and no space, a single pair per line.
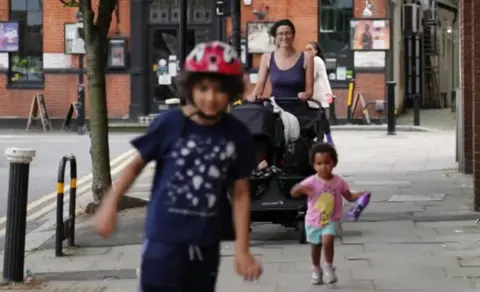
80,181
83,190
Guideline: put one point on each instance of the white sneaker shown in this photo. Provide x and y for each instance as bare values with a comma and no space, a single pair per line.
330,274
317,278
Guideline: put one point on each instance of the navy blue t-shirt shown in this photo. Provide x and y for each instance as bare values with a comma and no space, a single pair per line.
195,165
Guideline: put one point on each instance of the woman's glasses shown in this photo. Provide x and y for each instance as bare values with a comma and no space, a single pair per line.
284,34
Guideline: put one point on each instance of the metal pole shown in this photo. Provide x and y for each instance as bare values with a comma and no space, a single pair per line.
182,33
416,109
418,68
391,107
237,25
14,255
81,128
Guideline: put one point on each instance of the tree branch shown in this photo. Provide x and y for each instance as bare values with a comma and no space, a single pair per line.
104,18
88,21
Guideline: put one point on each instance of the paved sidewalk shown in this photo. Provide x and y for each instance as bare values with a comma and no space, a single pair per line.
381,256
418,233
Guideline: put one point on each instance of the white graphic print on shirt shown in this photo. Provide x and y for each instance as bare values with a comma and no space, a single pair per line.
202,168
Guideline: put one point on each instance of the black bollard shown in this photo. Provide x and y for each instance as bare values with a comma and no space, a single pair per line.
416,109
391,107
14,255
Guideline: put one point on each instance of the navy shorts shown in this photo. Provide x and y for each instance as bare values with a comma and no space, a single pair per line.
173,268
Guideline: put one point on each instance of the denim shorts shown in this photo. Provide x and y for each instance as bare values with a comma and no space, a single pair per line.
314,233
182,268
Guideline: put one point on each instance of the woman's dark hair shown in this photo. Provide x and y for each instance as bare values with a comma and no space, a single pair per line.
282,22
319,50
323,148
234,86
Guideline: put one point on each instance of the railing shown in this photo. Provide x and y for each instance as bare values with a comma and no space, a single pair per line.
66,228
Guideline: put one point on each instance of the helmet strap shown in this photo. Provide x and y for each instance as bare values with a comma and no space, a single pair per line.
198,112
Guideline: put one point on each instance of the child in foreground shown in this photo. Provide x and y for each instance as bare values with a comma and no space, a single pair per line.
325,192
200,151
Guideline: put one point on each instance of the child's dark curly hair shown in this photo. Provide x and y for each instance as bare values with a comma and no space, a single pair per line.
323,148
234,86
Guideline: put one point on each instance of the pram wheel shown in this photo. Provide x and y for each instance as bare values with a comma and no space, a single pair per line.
302,235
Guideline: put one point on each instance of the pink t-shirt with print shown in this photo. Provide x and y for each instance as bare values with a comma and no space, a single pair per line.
326,204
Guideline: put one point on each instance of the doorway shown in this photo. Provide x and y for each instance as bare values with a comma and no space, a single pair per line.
163,45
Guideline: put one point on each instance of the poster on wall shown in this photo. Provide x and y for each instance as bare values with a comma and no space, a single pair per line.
259,39
9,37
369,34
74,43
369,60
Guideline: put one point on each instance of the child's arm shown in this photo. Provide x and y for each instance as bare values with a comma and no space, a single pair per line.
244,164
126,179
303,188
107,213
347,194
241,214
148,147
298,190
352,197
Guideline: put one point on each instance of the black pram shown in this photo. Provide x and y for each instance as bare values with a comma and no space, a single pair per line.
288,164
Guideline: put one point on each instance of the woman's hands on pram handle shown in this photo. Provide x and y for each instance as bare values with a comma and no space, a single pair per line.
303,96
253,98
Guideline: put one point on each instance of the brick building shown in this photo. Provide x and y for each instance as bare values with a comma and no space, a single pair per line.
470,87
151,27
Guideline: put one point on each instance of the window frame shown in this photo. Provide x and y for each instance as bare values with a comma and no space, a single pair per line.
336,31
26,84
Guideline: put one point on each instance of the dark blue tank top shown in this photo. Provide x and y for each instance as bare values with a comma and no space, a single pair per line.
287,83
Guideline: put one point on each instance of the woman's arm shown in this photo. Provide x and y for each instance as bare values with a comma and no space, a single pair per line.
262,76
309,75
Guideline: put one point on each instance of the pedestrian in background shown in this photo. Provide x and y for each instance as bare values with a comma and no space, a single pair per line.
322,91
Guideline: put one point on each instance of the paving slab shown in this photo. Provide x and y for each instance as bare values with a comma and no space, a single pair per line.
417,198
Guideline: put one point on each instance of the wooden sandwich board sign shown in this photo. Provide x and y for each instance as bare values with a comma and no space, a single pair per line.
38,111
365,113
72,112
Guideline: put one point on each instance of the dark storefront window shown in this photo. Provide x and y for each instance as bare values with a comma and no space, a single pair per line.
335,16
164,16
168,11
26,66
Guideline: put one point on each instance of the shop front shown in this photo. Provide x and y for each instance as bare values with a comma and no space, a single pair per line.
155,43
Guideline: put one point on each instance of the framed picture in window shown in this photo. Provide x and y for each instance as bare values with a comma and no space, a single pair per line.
368,34
74,43
9,36
117,53
259,39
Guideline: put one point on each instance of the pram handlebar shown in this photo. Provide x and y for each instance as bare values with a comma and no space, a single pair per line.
265,101
293,99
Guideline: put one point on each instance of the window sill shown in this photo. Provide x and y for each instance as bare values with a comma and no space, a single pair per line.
339,84
26,85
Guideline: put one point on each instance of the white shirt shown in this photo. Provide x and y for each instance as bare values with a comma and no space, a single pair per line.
321,84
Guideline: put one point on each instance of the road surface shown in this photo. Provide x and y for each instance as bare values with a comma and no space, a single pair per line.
49,150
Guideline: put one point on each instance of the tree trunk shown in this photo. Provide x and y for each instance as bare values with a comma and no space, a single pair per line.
95,35
95,44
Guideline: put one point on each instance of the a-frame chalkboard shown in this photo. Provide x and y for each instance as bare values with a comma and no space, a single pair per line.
72,112
38,111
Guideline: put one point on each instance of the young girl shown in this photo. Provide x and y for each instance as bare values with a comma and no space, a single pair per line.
324,191
200,151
